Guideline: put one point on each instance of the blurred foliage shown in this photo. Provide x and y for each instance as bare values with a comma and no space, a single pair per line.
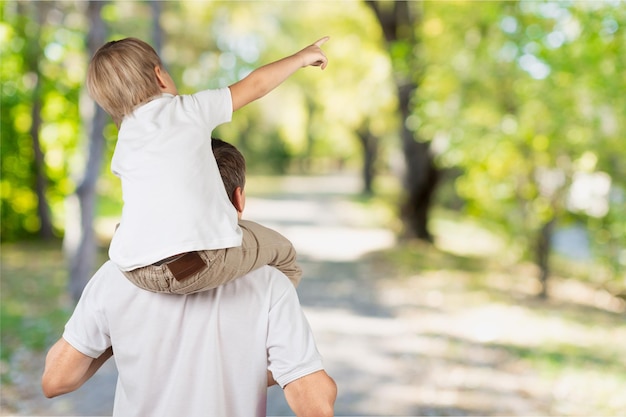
207,45
523,102
22,43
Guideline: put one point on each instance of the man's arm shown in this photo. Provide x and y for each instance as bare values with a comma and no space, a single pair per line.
67,369
264,79
312,395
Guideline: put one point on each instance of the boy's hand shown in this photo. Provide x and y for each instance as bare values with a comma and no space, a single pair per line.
313,54
264,79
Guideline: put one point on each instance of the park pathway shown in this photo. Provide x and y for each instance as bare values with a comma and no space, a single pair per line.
379,337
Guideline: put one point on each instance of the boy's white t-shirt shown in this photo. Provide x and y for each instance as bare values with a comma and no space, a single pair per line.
174,197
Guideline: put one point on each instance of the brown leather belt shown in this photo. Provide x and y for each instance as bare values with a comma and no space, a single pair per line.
183,266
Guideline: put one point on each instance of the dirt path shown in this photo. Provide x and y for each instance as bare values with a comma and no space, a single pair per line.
380,337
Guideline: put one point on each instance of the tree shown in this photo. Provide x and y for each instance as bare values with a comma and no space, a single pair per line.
369,144
35,172
79,243
518,93
39,87
33,57
400,22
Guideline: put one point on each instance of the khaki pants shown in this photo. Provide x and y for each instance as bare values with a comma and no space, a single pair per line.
260,246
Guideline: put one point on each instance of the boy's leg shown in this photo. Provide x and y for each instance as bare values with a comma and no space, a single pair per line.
263,246
260,246
183,274
153,278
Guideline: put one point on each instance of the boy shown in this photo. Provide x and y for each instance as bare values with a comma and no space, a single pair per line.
179,232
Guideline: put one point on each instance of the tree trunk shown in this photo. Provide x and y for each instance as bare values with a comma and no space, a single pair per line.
544,241
369,144
80,243
157,32
41,182
399,21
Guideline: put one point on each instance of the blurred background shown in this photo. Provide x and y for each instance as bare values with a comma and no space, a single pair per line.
454,181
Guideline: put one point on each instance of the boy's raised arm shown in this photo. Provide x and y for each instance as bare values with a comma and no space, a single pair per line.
264,79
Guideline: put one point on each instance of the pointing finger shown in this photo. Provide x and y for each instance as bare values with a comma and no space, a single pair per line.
322,41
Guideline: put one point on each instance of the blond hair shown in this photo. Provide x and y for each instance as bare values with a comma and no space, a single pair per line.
121,76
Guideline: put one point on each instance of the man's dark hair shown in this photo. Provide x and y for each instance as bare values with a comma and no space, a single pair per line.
232,165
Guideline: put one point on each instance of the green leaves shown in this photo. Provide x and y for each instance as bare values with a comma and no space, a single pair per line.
538,88
508,91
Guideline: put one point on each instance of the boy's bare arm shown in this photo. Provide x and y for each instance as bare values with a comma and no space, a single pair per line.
264,79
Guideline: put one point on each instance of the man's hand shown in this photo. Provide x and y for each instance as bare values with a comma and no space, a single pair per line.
313,54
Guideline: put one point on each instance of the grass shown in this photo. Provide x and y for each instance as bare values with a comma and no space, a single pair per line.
33,302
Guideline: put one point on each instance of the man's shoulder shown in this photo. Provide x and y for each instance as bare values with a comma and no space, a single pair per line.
269,274
108,274
266,279
108,269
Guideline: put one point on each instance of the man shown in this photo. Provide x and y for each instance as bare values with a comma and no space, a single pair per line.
210,352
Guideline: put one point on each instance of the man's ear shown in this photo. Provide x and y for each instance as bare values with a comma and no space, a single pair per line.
239,199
